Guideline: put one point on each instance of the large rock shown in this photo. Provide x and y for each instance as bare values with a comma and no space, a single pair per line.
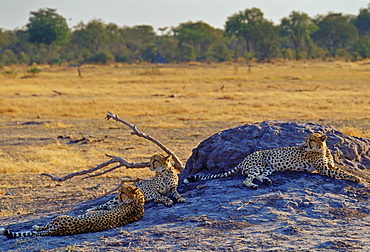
223,150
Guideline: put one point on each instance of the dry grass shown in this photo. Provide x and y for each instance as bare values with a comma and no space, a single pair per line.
178,104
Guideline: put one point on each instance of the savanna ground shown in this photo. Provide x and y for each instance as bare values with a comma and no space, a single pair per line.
180,105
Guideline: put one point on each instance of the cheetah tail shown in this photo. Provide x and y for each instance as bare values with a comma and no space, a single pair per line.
196,178
12,235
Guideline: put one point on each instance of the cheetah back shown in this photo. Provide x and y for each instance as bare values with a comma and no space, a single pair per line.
313,155
131,209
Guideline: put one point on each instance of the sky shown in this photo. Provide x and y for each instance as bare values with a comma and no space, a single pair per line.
14,14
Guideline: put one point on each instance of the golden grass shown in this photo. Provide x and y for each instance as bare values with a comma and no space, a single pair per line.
163,99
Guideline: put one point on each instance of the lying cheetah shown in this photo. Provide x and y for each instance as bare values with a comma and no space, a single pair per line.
313,155
158,188
130,209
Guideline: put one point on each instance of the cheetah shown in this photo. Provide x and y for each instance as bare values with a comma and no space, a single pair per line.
130,209
158,188
313,155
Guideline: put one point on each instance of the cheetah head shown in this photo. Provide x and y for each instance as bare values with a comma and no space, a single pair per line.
159,162
315,142
127,194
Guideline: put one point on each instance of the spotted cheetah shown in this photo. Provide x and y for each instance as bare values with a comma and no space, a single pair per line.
313,155
158,188
130,209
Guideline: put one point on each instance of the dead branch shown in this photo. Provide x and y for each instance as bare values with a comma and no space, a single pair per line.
135,131
122,162
114,159
57,92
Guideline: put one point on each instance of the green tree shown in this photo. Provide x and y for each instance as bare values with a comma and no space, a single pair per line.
240,25
186,52
362,46
92,36
335,32
116,43
139,40
46,27
167,47
219,52
199,35
362,21
297,27
257,32
8,57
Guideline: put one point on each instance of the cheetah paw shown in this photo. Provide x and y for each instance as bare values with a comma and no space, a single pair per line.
181,200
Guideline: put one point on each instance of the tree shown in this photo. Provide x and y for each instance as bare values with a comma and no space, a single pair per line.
91,36
198,35
49,28
167,47
362,22
46,27
256,31
335,32
139,40
239,25
297,27
362,46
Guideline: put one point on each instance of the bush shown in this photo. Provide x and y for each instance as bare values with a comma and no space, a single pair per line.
287,54
101,58
122,58
33,72
10,74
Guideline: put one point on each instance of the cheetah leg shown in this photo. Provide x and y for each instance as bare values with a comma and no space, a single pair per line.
263,177
249,182
44,230
330,160
177,196
252,174
159,198
163,199
337,173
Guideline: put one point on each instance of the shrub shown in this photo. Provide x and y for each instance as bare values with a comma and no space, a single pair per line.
33,72
101,57
10,74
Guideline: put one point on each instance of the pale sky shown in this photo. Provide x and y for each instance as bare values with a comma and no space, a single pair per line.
14,14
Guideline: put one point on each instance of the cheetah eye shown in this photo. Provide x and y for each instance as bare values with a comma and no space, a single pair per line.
157,162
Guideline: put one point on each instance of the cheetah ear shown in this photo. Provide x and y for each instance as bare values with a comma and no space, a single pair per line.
136,190
168,158
323,138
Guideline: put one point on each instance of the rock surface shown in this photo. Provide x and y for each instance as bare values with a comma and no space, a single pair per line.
298,212
224,150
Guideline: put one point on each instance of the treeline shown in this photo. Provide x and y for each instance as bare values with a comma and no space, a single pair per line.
47,39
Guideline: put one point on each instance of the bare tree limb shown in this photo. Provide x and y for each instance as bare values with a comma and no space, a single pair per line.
135,131
114,159
122,162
